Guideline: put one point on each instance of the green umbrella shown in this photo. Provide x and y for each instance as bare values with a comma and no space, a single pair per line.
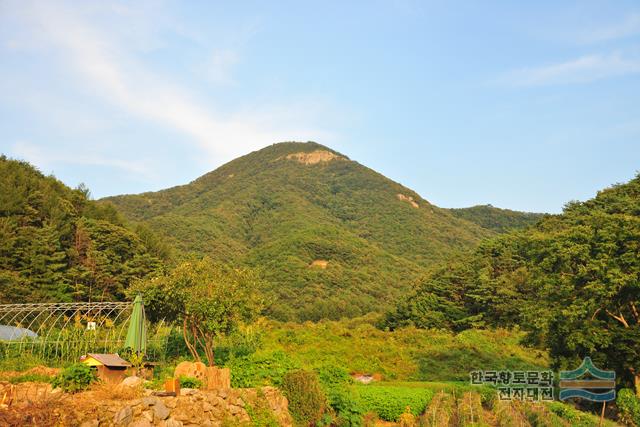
137,333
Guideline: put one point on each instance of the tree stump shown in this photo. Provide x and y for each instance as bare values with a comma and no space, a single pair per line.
218,378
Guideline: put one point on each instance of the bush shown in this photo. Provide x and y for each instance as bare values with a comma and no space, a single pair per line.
341,396
190,382
629,406
260,412
259,370
74,378
389,402
307,401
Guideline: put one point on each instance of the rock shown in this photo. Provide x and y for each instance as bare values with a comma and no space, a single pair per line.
172,423
170,402
143,422
188,391
160,411
148,414
132,382
123,416
150,401
90,423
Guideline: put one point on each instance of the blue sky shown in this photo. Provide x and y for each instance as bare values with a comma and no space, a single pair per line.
524,105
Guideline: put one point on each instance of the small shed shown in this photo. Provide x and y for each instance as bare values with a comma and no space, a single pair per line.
110,367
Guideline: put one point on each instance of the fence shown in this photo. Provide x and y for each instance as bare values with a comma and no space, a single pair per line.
62,332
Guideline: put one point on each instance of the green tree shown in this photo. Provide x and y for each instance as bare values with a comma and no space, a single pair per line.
208,300
572,281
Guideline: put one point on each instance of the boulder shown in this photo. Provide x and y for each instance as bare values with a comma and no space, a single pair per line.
132,382
123,417
173,423
191,369
188,391
160,411
150,401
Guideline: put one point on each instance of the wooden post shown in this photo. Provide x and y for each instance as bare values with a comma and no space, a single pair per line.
604,405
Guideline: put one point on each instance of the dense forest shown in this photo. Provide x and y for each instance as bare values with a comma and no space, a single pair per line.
58,245
499,220
572,281
334,238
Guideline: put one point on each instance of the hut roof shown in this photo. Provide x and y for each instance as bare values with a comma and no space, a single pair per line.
110,360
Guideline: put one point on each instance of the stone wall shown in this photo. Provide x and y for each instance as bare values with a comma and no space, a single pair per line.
225,407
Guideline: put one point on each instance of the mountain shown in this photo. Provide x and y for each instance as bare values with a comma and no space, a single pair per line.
57,245
333,236
496,219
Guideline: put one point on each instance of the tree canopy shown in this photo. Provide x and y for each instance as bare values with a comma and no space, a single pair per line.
572,281
58,245
208,300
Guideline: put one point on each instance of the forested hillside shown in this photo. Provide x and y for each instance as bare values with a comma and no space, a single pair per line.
572,281
57,245
497,219
333,237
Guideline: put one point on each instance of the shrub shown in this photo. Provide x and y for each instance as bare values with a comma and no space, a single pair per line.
261,413
259,370
629,406
74,378
389,402
307,401
341,396
190,382
574,416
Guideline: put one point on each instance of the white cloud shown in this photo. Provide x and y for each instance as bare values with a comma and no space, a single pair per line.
96,42
584,69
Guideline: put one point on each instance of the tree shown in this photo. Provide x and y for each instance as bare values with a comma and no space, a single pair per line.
207,300
572,282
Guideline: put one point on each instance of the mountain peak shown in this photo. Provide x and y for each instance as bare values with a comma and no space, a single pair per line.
314,157
334,237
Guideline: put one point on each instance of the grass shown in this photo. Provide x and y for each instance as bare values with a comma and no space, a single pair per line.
407,354
28,378
389,401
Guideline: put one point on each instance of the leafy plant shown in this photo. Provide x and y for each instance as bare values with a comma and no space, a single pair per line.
261,369
389,402
190,382
341,396
260,413
74,378
629,406
307,401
